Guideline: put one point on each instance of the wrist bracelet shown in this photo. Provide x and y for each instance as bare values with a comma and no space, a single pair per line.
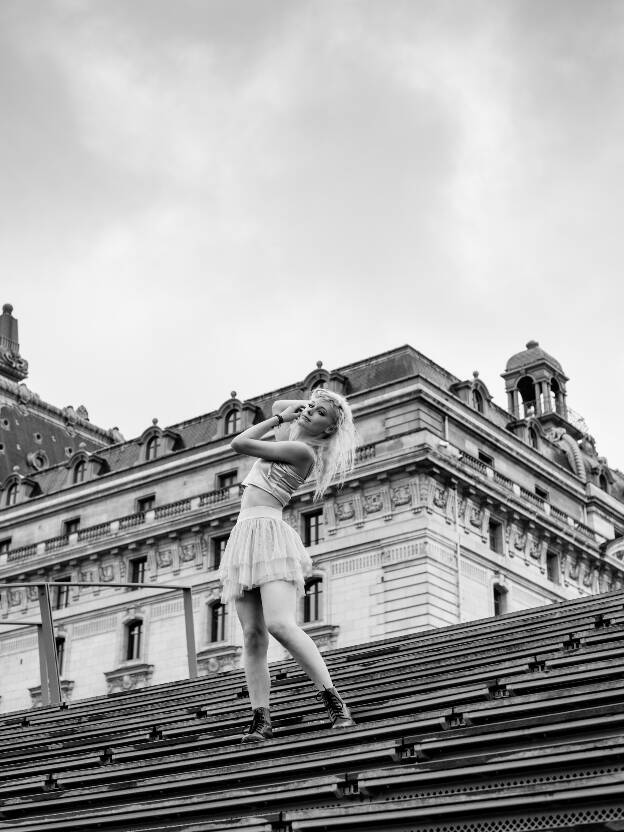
280,420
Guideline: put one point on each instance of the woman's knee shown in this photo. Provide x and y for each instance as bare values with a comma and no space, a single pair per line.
255,639
281,628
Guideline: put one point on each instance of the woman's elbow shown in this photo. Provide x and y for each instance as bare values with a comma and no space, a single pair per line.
235,446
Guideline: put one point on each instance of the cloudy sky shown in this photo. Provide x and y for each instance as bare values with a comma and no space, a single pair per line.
201,196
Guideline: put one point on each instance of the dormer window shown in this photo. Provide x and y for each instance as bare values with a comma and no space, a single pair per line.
318,385
152,448
477,401
80,470
533,438
232,422
602,482
12,494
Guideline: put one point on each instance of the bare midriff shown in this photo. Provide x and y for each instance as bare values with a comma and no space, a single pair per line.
254,496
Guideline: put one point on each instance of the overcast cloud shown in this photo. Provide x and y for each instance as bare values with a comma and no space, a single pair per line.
202,196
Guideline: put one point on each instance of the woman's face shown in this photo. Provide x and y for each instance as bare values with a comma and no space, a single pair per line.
318,418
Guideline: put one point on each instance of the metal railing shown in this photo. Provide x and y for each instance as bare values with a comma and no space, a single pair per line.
48,658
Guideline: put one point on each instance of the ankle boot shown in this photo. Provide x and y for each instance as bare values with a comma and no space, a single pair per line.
259,729
336,708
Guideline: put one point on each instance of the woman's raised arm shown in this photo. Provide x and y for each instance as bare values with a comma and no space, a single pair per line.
250,442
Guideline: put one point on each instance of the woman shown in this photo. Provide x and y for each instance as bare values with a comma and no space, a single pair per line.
264,563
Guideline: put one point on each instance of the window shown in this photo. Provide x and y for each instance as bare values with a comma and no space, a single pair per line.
137,570
144,504
152,448
312,600
71,526
541,493
217,622
500,600
62,592
60,654
533,438
486,459
11,498
552,567
80,469
232,422
227,480
5,545
602,482
477,400
318,385
218,549
495,534
312,525
134,634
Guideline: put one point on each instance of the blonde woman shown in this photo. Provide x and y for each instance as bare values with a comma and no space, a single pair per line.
265,562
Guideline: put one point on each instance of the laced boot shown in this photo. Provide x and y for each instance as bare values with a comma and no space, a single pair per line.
336,708
259,729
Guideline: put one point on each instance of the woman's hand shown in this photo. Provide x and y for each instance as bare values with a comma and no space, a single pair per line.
293,411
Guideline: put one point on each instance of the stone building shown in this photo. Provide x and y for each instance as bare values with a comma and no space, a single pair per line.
457,509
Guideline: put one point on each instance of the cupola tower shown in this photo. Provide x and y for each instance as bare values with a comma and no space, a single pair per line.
535,384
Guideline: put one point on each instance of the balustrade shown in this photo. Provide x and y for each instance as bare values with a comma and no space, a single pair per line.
173,509
93,532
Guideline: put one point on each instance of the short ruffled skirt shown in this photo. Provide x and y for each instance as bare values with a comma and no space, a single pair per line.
262,547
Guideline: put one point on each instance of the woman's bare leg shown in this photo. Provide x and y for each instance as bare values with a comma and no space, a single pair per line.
255,647
279,599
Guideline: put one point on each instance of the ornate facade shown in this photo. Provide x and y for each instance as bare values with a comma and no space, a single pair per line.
457,509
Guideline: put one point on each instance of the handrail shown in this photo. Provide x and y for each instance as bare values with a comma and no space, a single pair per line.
48,658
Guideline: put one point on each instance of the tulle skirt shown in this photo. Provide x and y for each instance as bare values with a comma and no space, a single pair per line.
262,548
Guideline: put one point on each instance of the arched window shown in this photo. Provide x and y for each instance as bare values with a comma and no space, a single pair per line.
60,654
500,599
312,608
232,421
80,469
603,483
12,492
317,385
152,448
134,637
217,622
533,438
526,388
477,401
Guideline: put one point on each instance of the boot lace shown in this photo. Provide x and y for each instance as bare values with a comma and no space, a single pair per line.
257,722
331,700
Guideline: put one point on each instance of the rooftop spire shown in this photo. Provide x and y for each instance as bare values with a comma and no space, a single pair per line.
12,365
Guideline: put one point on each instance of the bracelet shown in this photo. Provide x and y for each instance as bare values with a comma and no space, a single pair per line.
280,420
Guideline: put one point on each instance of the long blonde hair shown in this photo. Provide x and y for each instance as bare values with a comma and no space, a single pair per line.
335,455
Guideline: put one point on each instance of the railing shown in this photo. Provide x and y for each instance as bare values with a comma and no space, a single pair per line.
220,495
475,463
364,452
532,498
22,553
93,532
504,481
131,520
48,658
173,509
55,543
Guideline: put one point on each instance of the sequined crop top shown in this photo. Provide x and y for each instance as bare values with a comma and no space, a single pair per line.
279,479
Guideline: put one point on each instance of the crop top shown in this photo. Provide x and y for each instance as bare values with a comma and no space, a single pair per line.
280,479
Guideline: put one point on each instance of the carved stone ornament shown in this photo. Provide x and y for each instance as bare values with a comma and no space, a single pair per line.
575,566
345,510
520,539
15,597
325,636
67,687
535,550
462,505
17,364
475,516
400,496
32,593
218,658
106,573
164,558
83,413
440,496
188,552
129,677
373,502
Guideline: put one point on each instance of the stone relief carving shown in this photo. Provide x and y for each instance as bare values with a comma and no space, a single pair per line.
106,573
32,593
164,558
15,597
188,552
345,510
475,515
400,496
440,496
372,503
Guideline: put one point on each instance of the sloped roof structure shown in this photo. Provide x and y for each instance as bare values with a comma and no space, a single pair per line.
499,725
